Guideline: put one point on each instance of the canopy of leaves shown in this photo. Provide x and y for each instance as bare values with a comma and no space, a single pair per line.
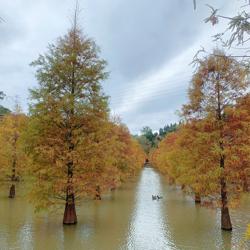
12,127
217,83
217,123
71,139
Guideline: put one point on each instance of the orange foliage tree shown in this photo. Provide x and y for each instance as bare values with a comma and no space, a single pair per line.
237,143
181,155
210,152
76,150
12,155
160,157
67,112
217,84
112,156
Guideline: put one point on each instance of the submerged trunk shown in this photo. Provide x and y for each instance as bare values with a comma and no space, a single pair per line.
98,193
12,191
197,198
70,217
225,217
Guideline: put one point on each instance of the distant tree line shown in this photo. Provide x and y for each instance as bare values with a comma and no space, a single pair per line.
3,110
149,139
168,129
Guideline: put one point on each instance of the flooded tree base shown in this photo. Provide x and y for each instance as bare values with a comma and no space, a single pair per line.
69,217
197,199
12,192
98,197
225,220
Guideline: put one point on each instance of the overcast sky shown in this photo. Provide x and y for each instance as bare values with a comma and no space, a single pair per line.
148,45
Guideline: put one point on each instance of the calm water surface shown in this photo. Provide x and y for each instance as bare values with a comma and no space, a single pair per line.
126,219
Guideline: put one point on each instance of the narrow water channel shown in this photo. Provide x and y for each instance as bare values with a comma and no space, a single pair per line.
124,219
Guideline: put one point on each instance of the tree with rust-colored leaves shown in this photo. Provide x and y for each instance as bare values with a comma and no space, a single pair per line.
13,159
237,132
77,151
67,111
111,157
180,156
160,157
217,84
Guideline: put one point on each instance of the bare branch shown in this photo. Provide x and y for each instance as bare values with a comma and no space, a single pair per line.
196,56
238,27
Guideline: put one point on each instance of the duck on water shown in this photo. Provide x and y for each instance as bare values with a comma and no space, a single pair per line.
156,197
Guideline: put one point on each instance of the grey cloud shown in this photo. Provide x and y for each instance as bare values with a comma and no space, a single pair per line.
137,37
157,111
141,35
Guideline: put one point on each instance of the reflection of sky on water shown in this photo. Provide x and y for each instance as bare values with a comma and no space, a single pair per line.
148,229
26,236
125,219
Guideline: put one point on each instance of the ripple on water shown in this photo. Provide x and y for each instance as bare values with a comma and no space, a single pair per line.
126,219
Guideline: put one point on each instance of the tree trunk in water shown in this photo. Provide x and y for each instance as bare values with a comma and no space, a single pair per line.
70,217
225,217
98,193
182,186
12,191
197,198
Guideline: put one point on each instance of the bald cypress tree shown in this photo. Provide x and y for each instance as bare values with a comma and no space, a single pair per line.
216,86
67,105
12,156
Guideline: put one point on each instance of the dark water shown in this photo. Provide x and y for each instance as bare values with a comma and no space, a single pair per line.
126,219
